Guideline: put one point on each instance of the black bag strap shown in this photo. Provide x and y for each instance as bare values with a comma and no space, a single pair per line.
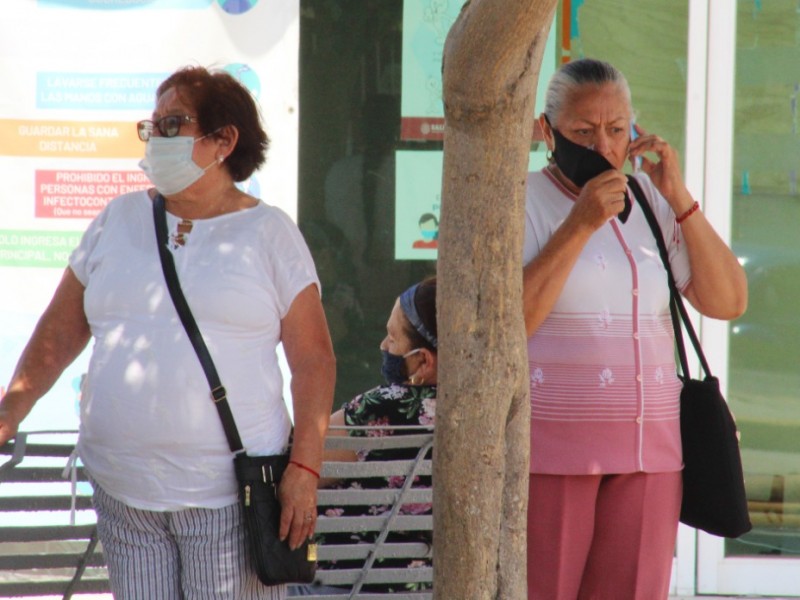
677,308
218,394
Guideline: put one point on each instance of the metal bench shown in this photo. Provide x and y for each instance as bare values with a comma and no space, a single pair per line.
420,442
62,556
48,542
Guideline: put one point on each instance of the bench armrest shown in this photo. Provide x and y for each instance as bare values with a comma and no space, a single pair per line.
20,442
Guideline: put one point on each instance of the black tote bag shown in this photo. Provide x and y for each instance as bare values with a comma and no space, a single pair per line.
714,497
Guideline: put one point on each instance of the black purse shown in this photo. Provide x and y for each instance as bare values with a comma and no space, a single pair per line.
257,476
714,497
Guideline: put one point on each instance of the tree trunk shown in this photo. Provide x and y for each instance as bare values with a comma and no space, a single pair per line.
491,64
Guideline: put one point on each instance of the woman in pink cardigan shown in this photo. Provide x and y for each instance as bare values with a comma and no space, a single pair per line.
605,482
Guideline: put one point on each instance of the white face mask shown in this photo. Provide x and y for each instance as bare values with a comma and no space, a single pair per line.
169,165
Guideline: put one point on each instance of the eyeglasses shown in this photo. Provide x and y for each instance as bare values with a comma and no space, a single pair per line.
168,126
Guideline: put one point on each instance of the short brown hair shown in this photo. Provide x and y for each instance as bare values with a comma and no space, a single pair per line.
219,99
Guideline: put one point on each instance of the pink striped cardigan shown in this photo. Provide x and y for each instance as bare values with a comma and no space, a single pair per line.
604,392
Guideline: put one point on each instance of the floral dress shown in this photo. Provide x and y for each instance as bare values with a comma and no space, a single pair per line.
386,405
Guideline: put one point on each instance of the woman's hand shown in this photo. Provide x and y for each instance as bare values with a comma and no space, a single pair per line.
297,494
665,173
8,425
602,198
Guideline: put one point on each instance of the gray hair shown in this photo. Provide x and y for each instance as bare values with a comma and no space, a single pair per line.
572,75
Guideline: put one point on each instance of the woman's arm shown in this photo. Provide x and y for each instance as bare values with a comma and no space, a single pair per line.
544,277
309,352
59,337
718,288
337,420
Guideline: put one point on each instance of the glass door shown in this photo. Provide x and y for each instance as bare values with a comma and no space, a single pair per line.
763,346
720,81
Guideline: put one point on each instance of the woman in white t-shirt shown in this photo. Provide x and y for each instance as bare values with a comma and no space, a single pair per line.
150,437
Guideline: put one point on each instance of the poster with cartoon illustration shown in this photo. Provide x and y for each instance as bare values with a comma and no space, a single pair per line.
418,189
418,192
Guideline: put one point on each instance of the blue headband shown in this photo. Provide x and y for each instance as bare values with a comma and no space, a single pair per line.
410,309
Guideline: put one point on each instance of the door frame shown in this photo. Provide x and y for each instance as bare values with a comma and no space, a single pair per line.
701,566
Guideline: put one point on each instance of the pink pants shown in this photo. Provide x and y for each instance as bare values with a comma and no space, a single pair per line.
602,537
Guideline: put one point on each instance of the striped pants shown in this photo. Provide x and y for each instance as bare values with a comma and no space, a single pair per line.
191,554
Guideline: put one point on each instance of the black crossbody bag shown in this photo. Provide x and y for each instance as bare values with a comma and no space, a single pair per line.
257,476
714,497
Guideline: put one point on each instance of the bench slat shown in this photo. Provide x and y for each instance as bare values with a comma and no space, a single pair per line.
39,503
371,497
362,596
360,551
375,575
356,443
21,562
46,534
39,475
51,588
362,524
41,449
382,468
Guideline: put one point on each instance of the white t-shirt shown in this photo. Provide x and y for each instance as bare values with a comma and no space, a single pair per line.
149,433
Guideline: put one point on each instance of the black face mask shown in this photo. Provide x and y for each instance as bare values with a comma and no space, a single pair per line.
393,368
579,164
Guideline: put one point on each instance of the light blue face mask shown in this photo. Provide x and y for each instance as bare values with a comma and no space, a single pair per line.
169,165
429,234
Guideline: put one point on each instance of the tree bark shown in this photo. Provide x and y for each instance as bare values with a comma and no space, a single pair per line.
491,64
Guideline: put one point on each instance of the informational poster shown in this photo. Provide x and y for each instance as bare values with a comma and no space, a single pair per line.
77,76
425,27
419,172
419,197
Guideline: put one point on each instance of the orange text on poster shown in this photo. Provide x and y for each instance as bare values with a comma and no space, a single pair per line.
70,139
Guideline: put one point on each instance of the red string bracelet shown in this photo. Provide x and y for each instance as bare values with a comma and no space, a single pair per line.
695,207
305,468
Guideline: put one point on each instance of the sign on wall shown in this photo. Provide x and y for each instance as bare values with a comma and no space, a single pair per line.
419,172
77,75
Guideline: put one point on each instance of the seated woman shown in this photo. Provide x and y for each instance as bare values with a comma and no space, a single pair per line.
408,398
408,366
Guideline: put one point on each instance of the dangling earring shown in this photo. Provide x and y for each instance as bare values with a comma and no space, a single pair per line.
549,155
